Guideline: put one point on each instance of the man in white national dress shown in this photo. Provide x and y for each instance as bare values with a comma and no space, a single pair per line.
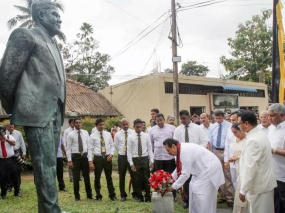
206,171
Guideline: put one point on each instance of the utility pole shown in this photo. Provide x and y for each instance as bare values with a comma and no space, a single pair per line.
175,64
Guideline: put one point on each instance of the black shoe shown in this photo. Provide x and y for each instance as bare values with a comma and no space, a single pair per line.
185,205
64,190
91,198
140,199
113,198
3,197
123,199
77,200
222,201
147,200
230,204
98,198
18,195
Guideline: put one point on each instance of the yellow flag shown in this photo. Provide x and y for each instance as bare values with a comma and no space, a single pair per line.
281,51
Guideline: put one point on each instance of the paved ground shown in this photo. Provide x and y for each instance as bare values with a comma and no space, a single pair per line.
224,211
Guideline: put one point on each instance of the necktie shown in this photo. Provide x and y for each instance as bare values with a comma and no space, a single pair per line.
126,139
219,137
139,145
186,134
103,149
4,152
80,145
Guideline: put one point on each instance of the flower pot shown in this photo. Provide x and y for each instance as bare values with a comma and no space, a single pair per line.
162,204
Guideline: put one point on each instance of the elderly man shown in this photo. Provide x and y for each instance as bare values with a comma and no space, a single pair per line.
32,87
206,171
256,169
265,122
276,137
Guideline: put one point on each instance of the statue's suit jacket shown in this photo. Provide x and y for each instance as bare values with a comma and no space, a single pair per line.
32,78
256,167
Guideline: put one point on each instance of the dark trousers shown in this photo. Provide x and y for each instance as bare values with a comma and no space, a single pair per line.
123,167
80,163
142,175
9,167
43,144
166,165
59,173
186,190
101,163
279,197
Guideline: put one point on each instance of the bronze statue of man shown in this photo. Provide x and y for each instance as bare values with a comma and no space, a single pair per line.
33,90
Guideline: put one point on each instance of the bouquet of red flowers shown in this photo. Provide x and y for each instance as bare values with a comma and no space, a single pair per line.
161,181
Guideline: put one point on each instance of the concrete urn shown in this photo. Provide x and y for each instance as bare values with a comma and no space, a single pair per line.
163,204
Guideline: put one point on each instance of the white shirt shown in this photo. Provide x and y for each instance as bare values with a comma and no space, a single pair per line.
276,136
206,130
132,147
263,129
94,144
19,140
9,148
229,146
119,140
94,130
72,142
59,149
196,134
65,134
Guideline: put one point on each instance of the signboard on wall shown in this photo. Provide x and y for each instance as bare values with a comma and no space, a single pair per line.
224,101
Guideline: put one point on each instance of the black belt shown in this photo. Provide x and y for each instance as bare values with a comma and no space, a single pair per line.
221,149
79,154
101,156
139,158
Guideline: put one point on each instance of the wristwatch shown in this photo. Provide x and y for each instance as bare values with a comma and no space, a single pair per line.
274,150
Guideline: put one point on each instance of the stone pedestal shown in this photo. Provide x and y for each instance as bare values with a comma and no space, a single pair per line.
162,204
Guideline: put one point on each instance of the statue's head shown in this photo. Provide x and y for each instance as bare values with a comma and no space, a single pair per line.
46,14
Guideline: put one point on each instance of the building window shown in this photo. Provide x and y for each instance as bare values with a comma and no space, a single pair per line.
196,89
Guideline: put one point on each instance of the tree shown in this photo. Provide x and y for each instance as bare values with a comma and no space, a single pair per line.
193,68
26,18
252,48
84,63
168,70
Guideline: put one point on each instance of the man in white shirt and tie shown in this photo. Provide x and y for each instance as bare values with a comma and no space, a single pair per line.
101,145
189,132
7,163
120,142
65,134
78,157
140,157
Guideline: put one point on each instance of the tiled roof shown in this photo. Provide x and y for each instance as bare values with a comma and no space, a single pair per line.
82,101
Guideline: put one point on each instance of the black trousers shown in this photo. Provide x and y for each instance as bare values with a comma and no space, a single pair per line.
59,173
186,190
101,163
123,167
80,163
279,197
9,166
142,175
166,165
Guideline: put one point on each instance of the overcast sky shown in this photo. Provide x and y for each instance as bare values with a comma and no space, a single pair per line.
203,31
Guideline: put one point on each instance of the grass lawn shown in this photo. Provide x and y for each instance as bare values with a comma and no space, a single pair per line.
28,202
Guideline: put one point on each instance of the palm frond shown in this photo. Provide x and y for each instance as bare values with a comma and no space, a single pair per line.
27,24
59,5
12,23
24,10
23,17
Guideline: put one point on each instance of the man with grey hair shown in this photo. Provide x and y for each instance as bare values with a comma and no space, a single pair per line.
265,122
276,136
33,90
